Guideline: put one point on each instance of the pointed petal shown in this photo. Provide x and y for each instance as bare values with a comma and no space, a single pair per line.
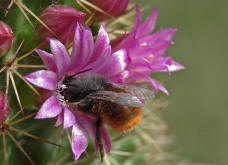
102,45
140,65
175,66
48,59
157,86
105,138
115,64
49,109
61,56
83,46
102,61
79,141
149,24
43,79
137,20
89,124
162,88
69,119
141,78
167,33
119,78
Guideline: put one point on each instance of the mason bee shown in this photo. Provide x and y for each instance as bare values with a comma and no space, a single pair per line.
117,105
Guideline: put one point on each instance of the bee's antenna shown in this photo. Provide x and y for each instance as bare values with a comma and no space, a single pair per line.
86,70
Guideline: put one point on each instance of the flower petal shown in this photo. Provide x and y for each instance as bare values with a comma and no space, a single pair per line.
105,138
48,59
162,88
43,79
115,64
61,56
49,109
83,46
79,141
137,19
89,124
69,119
157,86
119,78
102,44
149,24
167,33
174,66
141,78
140,65
62,20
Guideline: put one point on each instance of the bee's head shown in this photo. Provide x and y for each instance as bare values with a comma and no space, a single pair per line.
69,81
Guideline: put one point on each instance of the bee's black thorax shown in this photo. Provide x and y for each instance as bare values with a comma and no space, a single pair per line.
76,89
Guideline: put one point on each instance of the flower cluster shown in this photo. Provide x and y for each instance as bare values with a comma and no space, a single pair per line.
146,51
127,59
76,47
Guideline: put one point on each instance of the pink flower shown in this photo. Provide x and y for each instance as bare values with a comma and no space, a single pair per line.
4,107
85,54
146,51
113,7
62,20
6,38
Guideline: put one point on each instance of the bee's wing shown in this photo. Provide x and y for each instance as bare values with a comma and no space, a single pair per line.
136,91
124,99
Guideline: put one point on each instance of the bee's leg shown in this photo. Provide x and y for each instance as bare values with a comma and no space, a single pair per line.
98,137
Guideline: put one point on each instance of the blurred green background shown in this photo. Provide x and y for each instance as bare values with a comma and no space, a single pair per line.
198,112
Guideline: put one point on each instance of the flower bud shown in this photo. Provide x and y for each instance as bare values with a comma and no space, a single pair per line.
62,20
6,38
4,107
113,7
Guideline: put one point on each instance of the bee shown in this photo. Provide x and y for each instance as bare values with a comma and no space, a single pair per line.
118,105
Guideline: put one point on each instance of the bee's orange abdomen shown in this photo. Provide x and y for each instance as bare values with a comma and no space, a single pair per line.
120,118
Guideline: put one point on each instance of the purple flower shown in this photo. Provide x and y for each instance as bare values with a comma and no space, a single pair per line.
146,51
6,38
62,20
113,7
85,54
4,107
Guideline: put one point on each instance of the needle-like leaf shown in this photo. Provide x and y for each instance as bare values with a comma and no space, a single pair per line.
19,75
20,147
16,93
22,119
33,136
